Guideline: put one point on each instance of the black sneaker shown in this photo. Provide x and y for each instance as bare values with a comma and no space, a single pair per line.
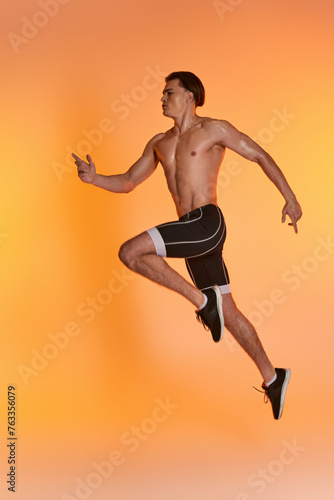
276,391
211,316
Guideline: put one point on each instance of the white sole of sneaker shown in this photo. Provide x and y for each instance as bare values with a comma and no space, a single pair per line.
284,388
220,309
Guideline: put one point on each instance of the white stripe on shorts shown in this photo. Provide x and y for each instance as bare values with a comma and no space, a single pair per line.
223,288
158,241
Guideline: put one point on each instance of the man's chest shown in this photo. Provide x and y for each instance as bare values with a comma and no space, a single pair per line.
172,149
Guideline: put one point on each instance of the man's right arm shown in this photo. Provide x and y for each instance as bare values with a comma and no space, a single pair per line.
120,183
247,148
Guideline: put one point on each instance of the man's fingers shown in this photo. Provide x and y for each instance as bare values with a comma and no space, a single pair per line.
78,161
293,219
90,161
283,214
294,224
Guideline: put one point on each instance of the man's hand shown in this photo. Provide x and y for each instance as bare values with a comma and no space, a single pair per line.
294,211
86,171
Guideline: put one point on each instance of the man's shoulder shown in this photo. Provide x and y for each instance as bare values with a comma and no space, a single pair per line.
161,135
209,122
218,128
152,144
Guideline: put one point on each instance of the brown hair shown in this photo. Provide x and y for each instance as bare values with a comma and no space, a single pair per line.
190,82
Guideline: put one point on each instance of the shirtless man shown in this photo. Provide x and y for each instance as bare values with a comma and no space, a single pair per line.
191,153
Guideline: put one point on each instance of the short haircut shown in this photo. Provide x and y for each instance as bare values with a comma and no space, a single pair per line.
190,82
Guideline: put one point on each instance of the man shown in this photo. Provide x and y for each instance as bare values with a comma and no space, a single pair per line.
191,153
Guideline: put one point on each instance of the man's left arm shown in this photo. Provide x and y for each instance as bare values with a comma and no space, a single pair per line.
249,149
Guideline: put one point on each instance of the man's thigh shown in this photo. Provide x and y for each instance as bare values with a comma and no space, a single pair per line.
200,232
139,245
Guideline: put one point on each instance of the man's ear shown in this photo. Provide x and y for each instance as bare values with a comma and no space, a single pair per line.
190,97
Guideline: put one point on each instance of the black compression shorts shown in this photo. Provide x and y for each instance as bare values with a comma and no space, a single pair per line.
198,237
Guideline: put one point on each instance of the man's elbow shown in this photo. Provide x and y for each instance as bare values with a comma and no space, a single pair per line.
261,157
128,186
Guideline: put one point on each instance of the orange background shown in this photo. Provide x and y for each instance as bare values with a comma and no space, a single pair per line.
128,346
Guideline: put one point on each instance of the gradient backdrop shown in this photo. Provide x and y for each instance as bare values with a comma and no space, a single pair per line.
120,393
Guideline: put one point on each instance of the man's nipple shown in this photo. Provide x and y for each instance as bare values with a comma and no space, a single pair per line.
193,153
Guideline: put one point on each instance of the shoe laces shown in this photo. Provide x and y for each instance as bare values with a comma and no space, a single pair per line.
265,392
201,320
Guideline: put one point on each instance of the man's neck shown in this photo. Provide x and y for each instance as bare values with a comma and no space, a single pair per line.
185,122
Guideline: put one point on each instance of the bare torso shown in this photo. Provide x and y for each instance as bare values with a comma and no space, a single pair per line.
191,162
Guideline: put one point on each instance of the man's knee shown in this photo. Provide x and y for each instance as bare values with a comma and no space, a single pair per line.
125,252
133,249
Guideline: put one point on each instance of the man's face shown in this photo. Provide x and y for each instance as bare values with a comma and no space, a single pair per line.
174,99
